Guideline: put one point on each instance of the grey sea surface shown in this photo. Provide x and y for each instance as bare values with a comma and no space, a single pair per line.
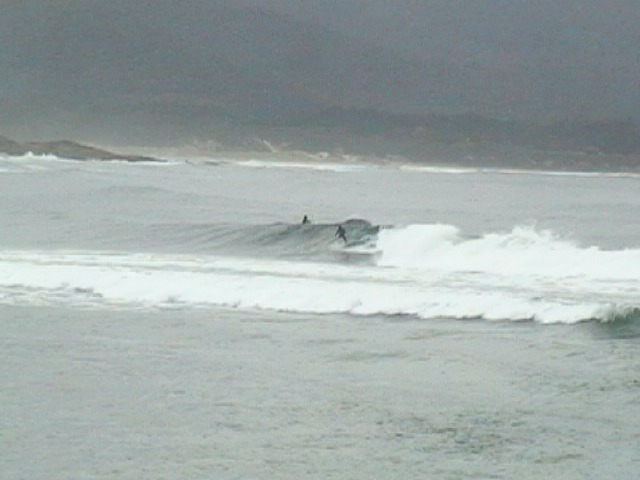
176,321
228,394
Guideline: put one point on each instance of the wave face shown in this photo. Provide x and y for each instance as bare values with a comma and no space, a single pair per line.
281,240
427,271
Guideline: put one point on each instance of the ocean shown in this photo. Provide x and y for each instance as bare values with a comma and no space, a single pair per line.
178,320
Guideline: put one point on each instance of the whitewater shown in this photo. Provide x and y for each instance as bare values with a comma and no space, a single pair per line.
424,270
476,323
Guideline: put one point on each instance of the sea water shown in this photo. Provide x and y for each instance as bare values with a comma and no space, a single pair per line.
178,321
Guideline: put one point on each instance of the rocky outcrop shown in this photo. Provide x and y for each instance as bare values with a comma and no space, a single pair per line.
66,149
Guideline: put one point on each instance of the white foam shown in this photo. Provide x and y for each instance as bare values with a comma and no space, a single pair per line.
25,163
462,170
152,281
521,252
413,167
30,156
307,165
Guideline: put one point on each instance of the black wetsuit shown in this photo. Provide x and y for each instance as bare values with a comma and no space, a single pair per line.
340,232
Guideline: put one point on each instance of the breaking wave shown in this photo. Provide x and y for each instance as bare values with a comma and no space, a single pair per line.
522,252
425,271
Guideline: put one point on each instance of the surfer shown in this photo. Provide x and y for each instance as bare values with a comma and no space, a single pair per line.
340,232
305,220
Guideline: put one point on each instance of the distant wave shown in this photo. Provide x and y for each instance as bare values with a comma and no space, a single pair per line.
33,156
320,164
38,158
465,170
309,164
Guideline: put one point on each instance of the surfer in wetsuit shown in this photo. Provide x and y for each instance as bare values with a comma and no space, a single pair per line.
305,220
340,232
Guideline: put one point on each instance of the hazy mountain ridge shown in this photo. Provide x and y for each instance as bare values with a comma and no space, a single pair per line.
465,139
614,136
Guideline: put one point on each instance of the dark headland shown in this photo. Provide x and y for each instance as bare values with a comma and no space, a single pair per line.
67,150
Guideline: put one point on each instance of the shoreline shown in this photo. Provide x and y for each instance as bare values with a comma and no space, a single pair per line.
499,158
539,162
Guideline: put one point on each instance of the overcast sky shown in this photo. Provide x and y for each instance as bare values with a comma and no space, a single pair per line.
81,61
579,55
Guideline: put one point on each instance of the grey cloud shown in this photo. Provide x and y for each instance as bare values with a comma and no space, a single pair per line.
195,63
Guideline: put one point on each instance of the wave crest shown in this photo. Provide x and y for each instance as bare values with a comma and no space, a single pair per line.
522,252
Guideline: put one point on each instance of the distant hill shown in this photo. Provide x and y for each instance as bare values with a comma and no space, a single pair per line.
66,149
463,140
607,136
